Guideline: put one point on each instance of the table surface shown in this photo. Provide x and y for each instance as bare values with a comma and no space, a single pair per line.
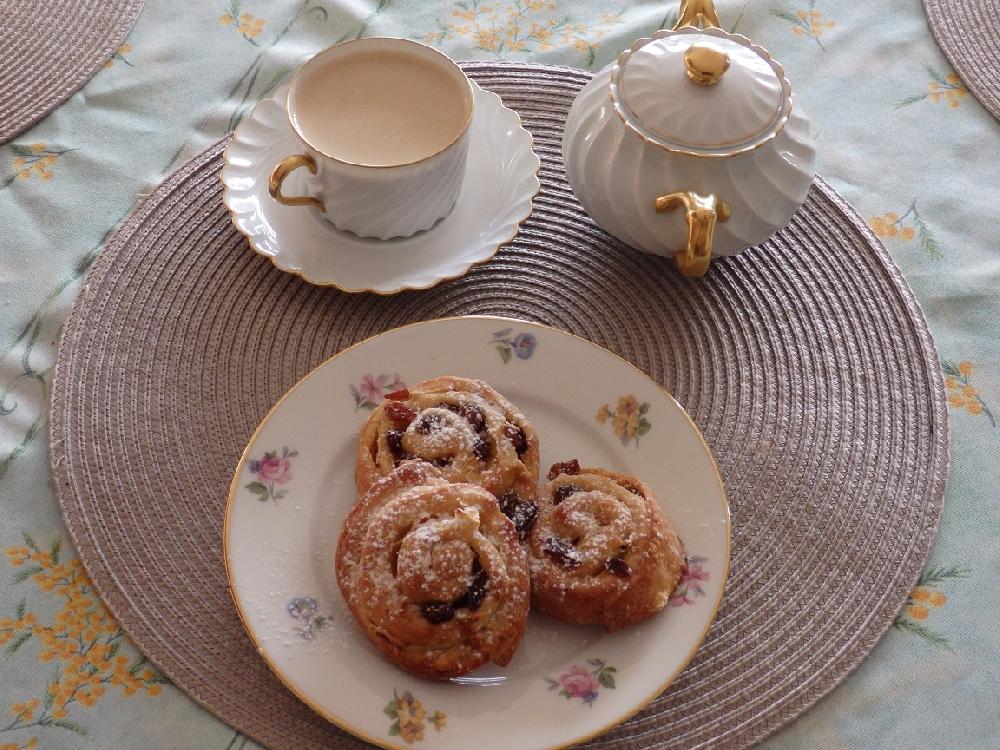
897,135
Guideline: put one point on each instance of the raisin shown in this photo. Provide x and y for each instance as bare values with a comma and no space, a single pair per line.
521,512
561,493
437,612
442,462
427,424
561,552
474,417
618,566
403,394
481,449
474,595
395,440
517,438
634,490
564,467
400,413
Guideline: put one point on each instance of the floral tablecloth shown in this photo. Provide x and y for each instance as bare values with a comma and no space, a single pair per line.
897,135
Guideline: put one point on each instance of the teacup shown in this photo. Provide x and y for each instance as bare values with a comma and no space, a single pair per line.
384,129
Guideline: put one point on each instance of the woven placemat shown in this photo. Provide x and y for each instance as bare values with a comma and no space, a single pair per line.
968,32
50,49
806,362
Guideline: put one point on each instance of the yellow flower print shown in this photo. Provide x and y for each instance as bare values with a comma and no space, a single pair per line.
36,159
917,611
806,22
82,637
29,745
947,88
924,600
628,404
905,228
119,54
247,24
408,717
628,418
409,710
962,395
439,720
520,26
411,731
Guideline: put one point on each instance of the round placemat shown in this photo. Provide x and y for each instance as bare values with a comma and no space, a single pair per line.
805,361
50,49
968,32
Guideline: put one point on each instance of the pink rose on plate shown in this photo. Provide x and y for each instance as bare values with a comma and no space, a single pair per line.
690,585
274,469
578,682
695,572
371,388
271,469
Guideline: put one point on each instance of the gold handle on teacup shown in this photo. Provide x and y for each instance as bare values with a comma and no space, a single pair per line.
285,167
697,13
701,212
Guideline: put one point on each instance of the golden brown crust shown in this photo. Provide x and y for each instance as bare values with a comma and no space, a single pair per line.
434,573
451,439
602,551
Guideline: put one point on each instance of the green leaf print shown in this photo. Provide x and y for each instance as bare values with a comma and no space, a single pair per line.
70,725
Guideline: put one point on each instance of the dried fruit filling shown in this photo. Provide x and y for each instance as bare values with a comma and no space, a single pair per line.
521,512
439,612
400,413
394,438
561,493
571,468
561,552
517,438
618,567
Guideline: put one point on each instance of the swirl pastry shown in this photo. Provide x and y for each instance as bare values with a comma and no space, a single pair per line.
463,427
434,573
602,550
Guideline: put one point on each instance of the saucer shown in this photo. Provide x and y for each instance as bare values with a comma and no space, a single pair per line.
500,182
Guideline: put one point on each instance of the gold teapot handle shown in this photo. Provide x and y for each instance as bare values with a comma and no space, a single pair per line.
284,168
701,212
698,13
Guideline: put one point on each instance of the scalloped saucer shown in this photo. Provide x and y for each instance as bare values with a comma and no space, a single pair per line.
500,182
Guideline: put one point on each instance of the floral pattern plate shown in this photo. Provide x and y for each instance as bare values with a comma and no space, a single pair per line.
501,179
295,484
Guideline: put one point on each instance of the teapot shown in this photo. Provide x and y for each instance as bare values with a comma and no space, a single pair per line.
693,118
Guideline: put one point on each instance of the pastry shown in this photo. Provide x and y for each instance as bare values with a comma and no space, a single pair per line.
466,429
434,572
601,549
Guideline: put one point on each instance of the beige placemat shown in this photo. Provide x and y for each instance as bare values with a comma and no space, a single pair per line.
806,362
50,49
968,32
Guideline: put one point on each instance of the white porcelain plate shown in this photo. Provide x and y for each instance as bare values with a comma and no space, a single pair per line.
295,484
500,182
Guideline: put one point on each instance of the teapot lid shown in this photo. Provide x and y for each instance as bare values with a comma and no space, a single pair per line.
701,92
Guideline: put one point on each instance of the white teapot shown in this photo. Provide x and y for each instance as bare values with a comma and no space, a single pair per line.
691,117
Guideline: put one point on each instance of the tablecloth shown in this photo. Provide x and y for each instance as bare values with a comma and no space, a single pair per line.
897,134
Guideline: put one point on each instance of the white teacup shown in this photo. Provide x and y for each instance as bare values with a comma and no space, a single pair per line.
384,129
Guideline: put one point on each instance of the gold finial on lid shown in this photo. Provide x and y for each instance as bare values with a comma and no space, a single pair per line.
705,63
